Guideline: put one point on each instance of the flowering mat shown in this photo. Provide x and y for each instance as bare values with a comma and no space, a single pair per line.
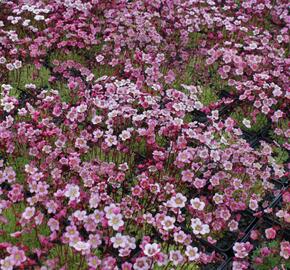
138,135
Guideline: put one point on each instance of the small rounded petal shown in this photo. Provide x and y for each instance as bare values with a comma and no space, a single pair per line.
151,250
192,253
28,213
270,233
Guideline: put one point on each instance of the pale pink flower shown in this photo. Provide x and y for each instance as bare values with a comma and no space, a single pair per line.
177,201
168,223
270,233
198,227
116,221
72,192
28,213
285,250
119,241
192,253
197,204
151,250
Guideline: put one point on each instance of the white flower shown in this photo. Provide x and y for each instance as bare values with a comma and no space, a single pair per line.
192,253
6,264
217,198
109,210
39,17
53,224
94,200
8,106
81,246
119,241
28,213
177,201
277,92
253,205
151,249
72,192
233,225
82,108
80,215
116,221
96,119
111,140
280,214
246,123
125,135
168,223
131,242
198,227
197,204
99,58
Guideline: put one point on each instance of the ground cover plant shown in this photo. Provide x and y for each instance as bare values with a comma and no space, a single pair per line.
140,135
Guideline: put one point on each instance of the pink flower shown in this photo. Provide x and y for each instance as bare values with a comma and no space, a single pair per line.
198,227
240,265
270,233
180,237
53,224
111,140
28,213
254,234
151,250
168,223
7,263
286,197
233,225
141,264
177,201
192,253
81,246
116,221
170,77
253,205
285,249
199,183
17,256
94,262
265,251
197,204
175,257
72,192
242,249
119,241
95,240
126,266
100,58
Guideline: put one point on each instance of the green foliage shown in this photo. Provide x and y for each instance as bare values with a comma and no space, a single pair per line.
111,156
62,56
64,92
280,155
28,238
104,70
282,124
198,74
270,261
26,75
68,258
240,114
207,96
18,164
194,38
190,266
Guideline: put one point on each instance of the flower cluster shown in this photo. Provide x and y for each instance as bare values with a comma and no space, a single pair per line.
267,248
124,132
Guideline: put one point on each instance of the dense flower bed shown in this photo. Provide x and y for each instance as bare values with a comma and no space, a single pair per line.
144,134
